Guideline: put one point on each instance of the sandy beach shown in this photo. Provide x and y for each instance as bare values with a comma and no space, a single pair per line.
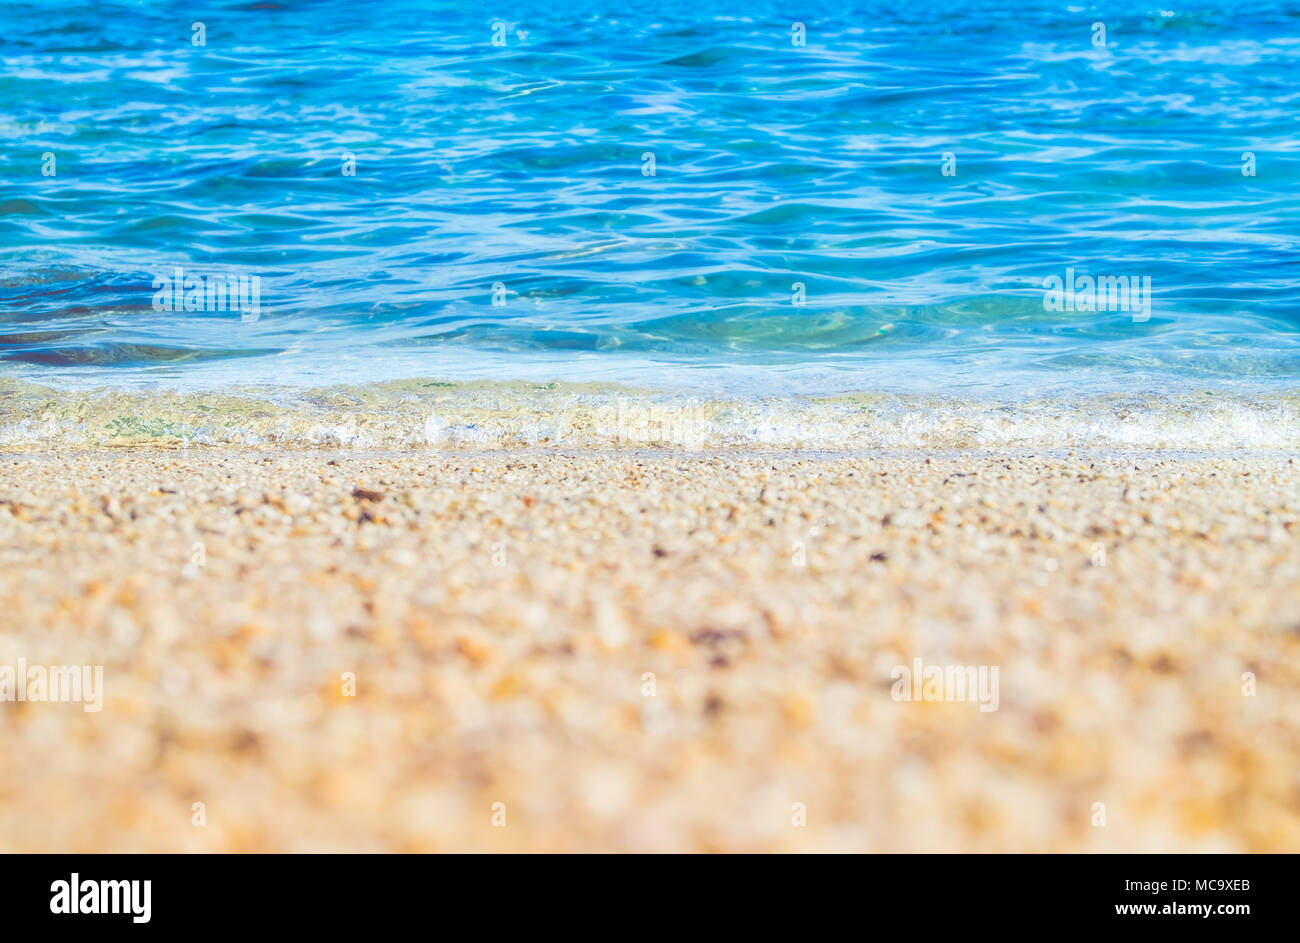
655,428
551,649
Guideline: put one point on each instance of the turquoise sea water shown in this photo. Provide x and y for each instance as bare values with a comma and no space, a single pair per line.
509,145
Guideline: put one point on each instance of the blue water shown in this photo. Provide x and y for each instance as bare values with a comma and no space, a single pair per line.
524,164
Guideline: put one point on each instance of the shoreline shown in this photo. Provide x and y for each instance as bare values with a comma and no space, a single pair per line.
440,415
499,610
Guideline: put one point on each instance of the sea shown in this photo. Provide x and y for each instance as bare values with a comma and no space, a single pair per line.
998,202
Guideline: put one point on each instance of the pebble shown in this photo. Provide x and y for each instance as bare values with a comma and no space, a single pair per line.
504,612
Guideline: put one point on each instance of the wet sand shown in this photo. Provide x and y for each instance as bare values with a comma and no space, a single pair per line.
584,649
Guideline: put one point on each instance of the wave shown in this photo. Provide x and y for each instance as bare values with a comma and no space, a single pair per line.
440,414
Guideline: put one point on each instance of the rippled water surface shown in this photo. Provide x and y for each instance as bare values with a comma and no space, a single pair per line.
525,165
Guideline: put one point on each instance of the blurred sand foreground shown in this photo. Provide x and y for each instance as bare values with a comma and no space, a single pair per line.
623,650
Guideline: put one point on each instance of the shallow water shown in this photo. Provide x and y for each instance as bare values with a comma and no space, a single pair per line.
524,166
439,415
